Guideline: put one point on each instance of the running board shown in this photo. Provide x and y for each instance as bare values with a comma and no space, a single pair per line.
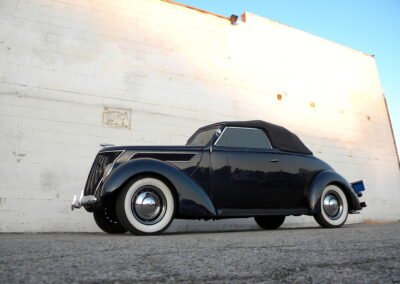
231,212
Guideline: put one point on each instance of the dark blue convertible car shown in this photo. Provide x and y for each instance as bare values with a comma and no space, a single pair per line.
234,169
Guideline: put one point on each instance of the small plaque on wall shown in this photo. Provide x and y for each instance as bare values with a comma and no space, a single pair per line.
117,117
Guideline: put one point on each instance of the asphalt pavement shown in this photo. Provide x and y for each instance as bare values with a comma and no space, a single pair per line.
352,254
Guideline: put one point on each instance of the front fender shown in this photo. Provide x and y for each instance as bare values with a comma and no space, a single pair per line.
192,199
318,184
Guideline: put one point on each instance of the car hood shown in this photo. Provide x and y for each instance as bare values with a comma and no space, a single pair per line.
181,148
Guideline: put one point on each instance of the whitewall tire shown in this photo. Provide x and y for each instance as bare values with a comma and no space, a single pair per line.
145,206
334,207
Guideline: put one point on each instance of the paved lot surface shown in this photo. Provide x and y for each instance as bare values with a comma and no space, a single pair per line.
352,254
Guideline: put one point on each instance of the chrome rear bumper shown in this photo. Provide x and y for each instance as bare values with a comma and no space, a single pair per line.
83,200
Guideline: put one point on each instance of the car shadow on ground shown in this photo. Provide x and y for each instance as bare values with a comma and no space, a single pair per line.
224,231
232,231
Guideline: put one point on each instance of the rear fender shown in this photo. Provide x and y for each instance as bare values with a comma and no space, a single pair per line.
318,184
192,199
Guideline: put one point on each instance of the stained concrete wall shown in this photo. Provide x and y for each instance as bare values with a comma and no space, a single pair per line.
74,74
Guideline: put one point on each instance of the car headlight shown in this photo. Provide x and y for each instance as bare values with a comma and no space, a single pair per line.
107,170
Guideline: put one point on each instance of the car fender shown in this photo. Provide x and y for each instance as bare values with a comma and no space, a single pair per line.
318,184
191,198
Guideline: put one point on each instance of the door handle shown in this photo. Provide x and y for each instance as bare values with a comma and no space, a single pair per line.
274,161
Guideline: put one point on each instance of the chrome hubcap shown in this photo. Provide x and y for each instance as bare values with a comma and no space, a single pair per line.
333,206
148,205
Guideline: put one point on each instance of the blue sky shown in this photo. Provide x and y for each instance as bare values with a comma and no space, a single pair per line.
371,26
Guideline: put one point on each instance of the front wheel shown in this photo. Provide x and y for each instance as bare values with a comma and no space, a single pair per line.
270,222
146,206
334,208
107,220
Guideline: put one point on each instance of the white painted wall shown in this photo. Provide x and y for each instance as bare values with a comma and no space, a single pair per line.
62,63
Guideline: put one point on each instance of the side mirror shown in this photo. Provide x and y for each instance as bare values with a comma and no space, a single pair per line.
217,134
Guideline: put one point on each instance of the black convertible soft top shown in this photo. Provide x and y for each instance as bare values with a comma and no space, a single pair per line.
279,136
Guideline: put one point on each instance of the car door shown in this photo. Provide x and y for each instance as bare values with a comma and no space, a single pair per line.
297,170
245,170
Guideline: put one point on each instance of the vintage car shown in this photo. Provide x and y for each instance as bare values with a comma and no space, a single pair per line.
234,169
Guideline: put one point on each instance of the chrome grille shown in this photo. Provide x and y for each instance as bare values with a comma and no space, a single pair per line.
97,170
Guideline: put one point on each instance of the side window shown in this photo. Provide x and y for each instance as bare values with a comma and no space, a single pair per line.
244,138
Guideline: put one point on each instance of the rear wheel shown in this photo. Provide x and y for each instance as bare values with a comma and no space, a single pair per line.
270,222
334,208
146,206
107,220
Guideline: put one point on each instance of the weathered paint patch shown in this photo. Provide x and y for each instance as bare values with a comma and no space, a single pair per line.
18,156
117,117
49,180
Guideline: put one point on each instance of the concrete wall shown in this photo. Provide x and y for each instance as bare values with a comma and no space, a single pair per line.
74,74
